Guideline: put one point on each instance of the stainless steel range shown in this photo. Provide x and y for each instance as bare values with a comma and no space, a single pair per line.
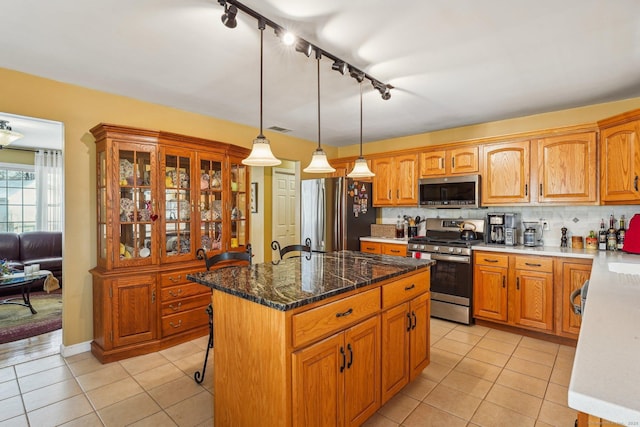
452,275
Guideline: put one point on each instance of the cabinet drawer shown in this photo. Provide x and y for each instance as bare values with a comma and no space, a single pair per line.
182,322
370,247
405,289
177,277
398,250
185,304
174,293
332,317
534,263
496,260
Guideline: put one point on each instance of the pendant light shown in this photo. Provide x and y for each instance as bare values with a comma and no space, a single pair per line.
360,168
261,154
7,136
319,162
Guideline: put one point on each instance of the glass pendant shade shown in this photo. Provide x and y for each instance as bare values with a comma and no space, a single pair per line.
261,154
7,136
319,163
361,169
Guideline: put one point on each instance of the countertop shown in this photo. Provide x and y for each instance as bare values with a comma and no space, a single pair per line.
384,240
295,282
605,380
537,250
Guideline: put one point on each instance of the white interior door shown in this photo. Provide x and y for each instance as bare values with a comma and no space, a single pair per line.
285,207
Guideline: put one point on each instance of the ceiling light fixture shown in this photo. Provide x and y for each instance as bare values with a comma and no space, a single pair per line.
319,162
303,45
7,135
261,154
385,90
229,16
361,168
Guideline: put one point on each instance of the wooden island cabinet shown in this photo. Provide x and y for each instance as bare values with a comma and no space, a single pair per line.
160,197
318,340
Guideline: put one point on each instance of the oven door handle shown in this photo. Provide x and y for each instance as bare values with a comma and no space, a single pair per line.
451,258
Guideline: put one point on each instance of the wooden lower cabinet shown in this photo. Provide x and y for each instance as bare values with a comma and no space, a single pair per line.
310,367
490,286
135,314
527,291
514,289
587,420
337,381
397,249
573,273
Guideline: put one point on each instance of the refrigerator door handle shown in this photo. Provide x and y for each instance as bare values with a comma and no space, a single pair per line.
322,217
339,237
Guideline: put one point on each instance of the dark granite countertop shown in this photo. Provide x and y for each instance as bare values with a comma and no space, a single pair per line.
295,282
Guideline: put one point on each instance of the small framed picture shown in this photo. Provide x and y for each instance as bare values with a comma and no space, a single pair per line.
254,197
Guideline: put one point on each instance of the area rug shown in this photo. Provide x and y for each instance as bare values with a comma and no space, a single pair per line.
17,322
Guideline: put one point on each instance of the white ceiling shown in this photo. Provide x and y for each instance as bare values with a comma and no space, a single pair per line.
452,63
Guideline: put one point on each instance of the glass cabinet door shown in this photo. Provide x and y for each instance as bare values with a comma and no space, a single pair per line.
239,198
211,204
136,214
178,207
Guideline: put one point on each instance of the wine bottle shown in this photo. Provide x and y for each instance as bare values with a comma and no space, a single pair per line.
621,233
612,238
602,237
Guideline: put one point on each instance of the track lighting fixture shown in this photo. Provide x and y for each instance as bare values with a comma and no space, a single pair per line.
360,167
340,66
319,162
261,154
229,16
231,8
304,47
7,135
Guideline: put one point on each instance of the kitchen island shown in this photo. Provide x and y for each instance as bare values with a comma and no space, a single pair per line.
323,339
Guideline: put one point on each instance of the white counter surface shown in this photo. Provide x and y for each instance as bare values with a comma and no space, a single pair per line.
605,380
384,240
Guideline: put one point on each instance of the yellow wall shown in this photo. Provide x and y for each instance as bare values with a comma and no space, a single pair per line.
574,116
80,109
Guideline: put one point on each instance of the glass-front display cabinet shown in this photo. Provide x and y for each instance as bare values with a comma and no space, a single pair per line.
176,173
211,203
238,206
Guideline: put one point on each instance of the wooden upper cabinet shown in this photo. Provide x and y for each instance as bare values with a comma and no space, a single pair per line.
455,161
620,163
505,173
396,180
567,168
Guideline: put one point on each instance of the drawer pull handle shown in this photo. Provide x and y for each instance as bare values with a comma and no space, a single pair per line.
490,260
350,356
346,313
176,279
395,251
530,264
344,359
175,294
370,248
176,326
408,288
172,307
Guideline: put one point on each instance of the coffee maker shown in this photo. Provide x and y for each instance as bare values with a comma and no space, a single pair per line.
503,228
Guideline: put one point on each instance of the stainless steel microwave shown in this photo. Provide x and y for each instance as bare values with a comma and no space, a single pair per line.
451,192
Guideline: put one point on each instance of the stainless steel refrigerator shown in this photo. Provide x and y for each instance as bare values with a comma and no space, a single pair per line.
335,213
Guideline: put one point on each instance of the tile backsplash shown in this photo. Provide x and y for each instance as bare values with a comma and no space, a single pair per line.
579,220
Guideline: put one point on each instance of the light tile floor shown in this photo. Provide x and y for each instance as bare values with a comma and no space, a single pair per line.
477,377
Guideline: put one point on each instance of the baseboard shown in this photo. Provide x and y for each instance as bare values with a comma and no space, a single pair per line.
72,350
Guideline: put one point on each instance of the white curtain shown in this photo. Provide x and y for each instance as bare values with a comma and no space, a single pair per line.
49,190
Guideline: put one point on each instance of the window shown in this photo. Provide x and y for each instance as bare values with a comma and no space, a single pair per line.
17,198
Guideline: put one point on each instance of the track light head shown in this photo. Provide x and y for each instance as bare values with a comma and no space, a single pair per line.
340,66
304,47
385,90
229,16
356,74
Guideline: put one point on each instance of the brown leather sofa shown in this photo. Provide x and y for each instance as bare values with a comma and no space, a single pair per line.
33,247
